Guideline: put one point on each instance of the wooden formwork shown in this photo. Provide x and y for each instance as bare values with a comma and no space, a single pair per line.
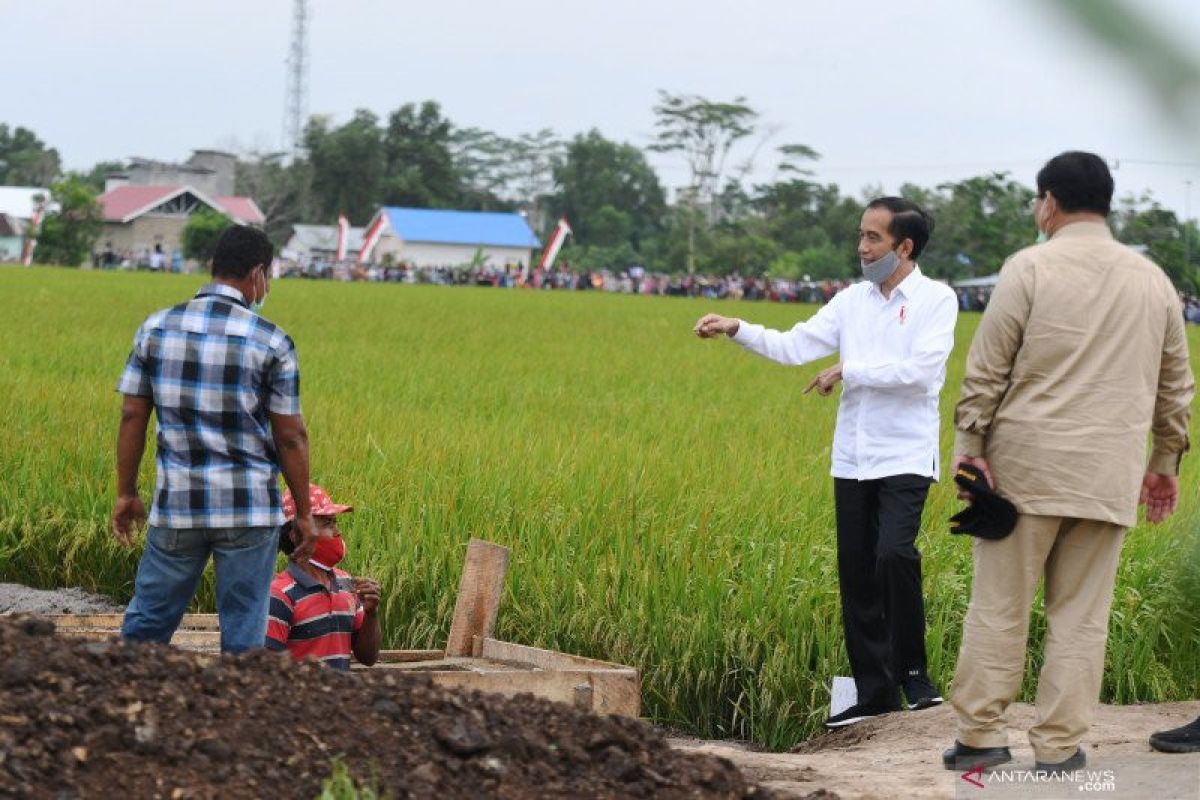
472,659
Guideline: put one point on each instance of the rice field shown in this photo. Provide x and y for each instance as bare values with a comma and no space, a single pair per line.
667,500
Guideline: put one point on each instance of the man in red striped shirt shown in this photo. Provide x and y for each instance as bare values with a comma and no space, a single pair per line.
317,610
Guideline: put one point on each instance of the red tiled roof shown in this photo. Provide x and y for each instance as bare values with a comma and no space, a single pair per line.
243,209
124,202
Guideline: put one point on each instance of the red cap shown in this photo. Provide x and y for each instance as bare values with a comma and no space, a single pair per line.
322,504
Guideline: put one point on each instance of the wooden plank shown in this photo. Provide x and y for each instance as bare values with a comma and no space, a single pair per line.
556,686
614,692
538,657
208,641
610,693
65,622
407,656
479,594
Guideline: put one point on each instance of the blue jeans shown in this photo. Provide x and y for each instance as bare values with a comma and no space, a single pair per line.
170,569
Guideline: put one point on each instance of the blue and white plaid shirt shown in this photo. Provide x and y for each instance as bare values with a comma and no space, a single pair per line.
214,370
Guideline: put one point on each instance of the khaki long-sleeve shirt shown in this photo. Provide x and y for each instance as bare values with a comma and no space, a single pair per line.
1080,355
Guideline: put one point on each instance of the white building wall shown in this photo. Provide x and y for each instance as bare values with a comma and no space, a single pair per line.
434,254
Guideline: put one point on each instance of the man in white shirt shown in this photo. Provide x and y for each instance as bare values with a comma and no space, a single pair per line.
894,332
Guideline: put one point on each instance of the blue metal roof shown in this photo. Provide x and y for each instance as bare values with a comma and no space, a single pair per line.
501,229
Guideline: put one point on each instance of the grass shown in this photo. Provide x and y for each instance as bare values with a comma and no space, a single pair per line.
668,501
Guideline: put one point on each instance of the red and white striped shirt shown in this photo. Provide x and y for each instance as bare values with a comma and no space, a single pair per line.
311,621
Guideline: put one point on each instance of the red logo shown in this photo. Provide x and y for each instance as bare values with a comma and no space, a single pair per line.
903,313
974,775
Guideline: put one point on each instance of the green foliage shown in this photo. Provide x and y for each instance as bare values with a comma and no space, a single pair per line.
418,164
97,176
608,192
658,516
703,131
68,235
340,785
1175,247
734,251
199,238
347,167
24,158
979,222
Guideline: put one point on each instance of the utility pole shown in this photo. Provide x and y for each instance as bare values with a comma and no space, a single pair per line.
295,106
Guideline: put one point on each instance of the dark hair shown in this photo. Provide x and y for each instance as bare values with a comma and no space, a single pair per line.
239,250
909,221
1079,181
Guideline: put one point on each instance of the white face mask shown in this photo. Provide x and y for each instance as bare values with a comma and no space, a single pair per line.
257,305
1042,235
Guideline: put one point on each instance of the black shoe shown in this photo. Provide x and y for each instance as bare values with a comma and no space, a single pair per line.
1074,762
858,712
1178,740
961,757
919,691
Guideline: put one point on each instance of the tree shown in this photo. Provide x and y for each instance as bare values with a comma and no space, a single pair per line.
204,227
979,222
607,191
417,161
25,160
97,176
1141,221
704,131
282,191
68,235
481,161
347,166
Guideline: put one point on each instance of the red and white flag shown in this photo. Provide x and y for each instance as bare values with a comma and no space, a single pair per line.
561,232
35,224
371,237
343,235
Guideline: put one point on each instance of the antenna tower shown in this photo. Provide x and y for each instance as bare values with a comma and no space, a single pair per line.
295,106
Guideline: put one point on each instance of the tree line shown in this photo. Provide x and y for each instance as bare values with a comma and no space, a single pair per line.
721,221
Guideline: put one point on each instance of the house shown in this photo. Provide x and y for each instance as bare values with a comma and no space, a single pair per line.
309,243
136,218
426,237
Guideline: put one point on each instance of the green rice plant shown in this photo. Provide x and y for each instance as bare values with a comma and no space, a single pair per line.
667,500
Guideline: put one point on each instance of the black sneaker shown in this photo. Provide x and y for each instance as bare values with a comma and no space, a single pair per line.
1076,761
919,691
1178,740
962,758
857,713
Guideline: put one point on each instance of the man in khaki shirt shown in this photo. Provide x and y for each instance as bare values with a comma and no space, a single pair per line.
1080,355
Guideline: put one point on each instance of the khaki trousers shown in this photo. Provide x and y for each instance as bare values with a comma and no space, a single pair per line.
1078,558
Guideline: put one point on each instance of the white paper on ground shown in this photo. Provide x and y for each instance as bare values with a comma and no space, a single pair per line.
843,695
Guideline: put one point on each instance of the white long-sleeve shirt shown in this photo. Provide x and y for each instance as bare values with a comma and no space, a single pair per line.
894,353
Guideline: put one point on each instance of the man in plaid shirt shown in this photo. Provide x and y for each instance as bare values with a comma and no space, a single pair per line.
224,384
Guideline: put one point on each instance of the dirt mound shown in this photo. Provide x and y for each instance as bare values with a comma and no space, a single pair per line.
18,599
110,718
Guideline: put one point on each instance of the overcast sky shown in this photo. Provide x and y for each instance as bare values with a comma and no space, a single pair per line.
887,92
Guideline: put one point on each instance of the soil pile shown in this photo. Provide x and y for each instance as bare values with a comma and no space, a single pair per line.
18,599
90,719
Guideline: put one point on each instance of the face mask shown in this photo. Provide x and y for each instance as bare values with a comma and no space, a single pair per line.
881,269
329,552
1041,229
257,305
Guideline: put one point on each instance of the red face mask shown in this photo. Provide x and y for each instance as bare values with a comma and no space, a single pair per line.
330,550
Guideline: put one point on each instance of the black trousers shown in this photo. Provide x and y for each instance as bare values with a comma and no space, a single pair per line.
879,571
